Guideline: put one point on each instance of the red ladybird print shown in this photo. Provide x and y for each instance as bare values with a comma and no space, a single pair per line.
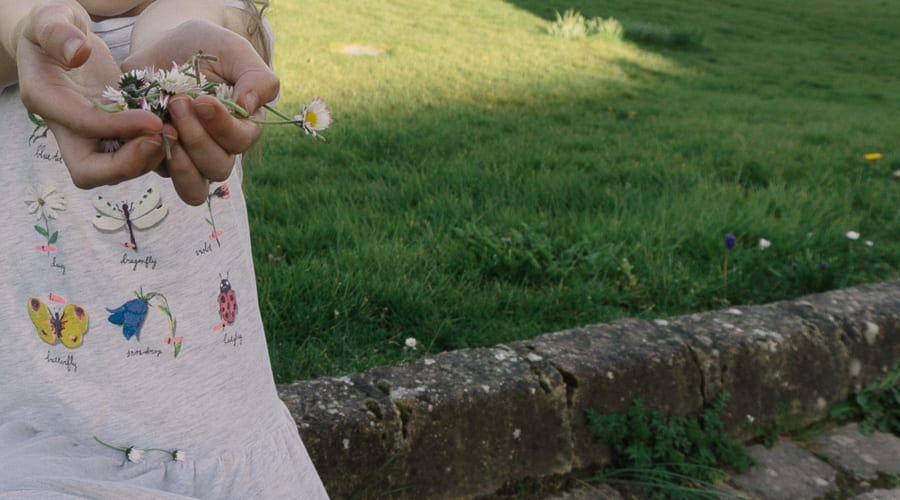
227,302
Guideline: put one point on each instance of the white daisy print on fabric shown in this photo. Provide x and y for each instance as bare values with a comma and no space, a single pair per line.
45,203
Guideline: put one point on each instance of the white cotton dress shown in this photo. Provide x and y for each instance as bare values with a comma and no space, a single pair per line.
143,331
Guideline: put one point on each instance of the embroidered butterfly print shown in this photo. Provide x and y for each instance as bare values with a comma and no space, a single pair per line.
227,304
67,326
45,204
131,316
221,191
146,213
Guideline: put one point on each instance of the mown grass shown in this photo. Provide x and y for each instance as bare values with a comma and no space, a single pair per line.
486,182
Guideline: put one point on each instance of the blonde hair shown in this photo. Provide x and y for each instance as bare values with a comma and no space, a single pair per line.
256,29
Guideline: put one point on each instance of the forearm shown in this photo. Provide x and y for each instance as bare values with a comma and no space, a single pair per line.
163,15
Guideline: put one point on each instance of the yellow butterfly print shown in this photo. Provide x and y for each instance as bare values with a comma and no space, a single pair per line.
68,327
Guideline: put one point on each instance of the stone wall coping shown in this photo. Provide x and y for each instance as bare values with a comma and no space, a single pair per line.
467,423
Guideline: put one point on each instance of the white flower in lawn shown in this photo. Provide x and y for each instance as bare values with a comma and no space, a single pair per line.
135,455
852,235
870,243
44,202
410,343
764,243
314,117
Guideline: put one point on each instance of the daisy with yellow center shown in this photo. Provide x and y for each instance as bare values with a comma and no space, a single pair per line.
314,117
44,202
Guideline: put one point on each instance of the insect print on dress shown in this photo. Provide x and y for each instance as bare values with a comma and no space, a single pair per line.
228,306
67,326
146,213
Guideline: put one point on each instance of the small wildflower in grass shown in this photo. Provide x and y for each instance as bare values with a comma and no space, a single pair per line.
764,243
730,240
870,243
410,344
852,235
873,157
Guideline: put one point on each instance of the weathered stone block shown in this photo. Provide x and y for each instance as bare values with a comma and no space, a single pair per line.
863,456
350,430
474,420
868,319
607,366
769,360
786,472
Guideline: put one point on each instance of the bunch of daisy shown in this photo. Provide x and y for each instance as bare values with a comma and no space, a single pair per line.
150,90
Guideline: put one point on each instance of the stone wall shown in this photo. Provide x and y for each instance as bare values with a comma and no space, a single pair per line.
467,423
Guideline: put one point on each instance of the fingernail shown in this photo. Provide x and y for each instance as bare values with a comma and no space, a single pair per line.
251,102
70,48
205,111
149,146
179,107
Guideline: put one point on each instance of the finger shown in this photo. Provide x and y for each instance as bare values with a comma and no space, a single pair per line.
60,33
49,92
234,135
212,161
90,168
192,187
255,85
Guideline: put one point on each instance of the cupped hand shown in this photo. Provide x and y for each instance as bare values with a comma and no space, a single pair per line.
208,135
63,69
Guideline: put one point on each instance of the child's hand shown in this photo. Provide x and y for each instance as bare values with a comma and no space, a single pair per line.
208,136
63,69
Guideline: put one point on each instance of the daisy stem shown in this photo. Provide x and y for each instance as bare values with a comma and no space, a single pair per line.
725,273
165,141
168,452
123,450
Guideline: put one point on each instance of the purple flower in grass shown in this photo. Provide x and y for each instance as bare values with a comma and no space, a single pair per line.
730,240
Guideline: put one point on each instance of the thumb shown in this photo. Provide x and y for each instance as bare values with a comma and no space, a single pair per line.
60,32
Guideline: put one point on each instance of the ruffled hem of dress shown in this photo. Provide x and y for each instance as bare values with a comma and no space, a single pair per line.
36,464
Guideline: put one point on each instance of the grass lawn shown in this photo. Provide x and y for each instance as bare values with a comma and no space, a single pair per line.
486,182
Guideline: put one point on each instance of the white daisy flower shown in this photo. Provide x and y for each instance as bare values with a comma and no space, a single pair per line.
44,202
411,343
314,117
115,97
764,243
110,145
174,81
852,235
135,74
135,455
225,92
